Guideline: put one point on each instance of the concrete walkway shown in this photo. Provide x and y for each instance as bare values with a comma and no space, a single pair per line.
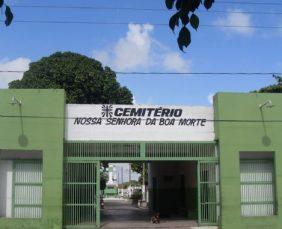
121,214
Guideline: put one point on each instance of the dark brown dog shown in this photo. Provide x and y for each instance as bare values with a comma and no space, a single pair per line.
156,218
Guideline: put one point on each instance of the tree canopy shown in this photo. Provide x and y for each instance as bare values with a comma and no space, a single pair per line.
129,183
185,13
84,79
275,88
138,168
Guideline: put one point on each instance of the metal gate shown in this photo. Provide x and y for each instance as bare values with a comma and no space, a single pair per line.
82,175
81,195
208,193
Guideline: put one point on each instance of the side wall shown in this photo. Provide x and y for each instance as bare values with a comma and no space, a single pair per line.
246,128
37,124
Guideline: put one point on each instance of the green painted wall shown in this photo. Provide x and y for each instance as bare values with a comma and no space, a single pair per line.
246,136
45,134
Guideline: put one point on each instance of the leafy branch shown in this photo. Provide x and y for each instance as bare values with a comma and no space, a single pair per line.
278,78
186,14
8,13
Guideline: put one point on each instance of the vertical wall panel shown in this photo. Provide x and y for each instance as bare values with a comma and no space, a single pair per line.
6,177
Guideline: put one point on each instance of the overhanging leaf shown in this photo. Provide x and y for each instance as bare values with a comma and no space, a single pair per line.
184,38
208,4
194,21
195,5
169,3
184,17
1,3
9,16
184,10
174,21
178,4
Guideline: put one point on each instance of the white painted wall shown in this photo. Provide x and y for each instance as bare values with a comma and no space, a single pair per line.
6,177
140,132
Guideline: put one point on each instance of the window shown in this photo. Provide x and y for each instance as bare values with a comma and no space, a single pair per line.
27,189
257,184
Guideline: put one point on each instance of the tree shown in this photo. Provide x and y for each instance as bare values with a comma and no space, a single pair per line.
138,168
8,13
84,79
103,179
275,88
126,184
185,13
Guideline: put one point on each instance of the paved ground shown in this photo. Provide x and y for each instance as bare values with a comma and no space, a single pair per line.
120,214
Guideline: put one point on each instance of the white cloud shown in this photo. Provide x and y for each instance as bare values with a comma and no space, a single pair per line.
210,98
133,51
20,63
242,20
102,56
139,50
174,62
134,100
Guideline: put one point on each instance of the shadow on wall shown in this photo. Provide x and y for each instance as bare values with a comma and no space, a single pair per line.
22,139
266,141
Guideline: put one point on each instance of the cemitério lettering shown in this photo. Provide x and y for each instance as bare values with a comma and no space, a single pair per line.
148,112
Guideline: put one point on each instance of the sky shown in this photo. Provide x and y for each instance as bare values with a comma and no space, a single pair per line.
123,173
141,44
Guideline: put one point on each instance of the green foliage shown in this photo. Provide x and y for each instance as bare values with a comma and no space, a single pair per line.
136,195
184,38
174,21
84,79
104,175
140,180
208,4
104,165
138,168
184,9
103,180
132,183
169,4
8,13
275,88
194,21
278,79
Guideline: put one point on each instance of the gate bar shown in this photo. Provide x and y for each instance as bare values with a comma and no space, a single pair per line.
98,220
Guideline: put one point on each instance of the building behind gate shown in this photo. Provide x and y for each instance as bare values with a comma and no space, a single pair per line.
219,164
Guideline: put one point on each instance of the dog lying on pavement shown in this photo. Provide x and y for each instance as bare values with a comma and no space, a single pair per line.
156,218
